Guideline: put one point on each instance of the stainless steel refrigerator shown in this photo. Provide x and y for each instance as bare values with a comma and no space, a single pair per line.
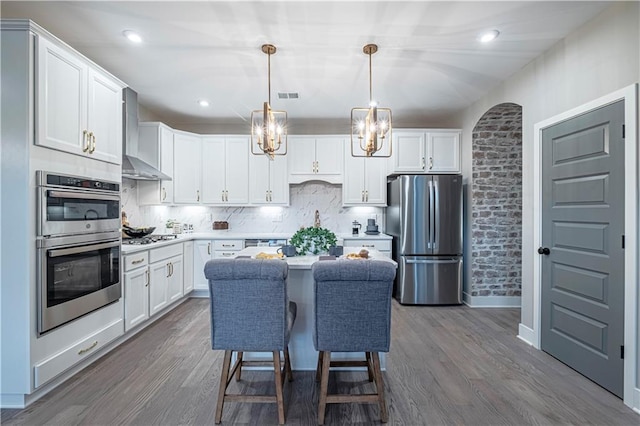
424,216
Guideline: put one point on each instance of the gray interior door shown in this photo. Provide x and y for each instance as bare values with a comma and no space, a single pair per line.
582,238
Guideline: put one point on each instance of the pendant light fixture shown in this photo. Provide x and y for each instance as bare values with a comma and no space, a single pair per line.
268,126
370,127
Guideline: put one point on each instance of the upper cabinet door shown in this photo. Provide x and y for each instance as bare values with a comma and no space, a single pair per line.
237,170
213,169
328,155
279,181
444,152
259,177
375,179
104,118
62,99
166,164
301,154
409,154
187,155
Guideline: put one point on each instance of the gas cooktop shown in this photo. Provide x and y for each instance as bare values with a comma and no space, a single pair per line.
149,239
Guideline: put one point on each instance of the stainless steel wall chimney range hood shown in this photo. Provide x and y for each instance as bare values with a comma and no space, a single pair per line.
132,166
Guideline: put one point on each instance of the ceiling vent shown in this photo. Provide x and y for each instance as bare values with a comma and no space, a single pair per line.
288,95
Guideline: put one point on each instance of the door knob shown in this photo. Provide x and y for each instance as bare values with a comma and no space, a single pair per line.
544,250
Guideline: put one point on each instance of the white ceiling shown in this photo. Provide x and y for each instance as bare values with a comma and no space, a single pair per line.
429,63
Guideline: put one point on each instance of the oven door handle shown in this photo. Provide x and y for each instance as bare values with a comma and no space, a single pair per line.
74,250
83,195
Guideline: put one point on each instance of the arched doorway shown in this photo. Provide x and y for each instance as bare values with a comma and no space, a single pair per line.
496,203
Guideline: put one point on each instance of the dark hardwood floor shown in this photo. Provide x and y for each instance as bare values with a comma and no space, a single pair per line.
447,365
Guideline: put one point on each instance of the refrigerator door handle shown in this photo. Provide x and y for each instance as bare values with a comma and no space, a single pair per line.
432,217
435,234
432,261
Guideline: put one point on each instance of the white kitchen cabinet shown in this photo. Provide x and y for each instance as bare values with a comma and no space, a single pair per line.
225,170
136,291
187,286
166,275
202,253
365,180
79,107
155,146
205,250
187,173
426,151
315,158
268,180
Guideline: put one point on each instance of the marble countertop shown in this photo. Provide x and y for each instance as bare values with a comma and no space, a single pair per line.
305,262
234,235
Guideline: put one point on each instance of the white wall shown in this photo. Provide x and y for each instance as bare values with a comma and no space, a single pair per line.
599,58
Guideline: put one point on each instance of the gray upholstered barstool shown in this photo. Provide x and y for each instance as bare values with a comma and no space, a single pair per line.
250,311
352,314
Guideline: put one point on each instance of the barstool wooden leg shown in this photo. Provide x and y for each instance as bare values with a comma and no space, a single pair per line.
279,397
239,367
222,390
324,386
319,367
369,369
287,364
384,416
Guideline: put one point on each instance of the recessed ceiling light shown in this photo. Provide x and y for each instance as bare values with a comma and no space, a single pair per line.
133,36
203,103
488,36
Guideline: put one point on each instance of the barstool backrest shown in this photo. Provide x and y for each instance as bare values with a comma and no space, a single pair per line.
352,302
249,304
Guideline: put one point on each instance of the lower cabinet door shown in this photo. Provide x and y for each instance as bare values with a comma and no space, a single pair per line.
174,289
158,286
136,297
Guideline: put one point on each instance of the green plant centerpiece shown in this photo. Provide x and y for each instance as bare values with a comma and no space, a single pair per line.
313,240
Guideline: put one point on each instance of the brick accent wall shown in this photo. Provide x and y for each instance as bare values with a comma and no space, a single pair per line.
496,203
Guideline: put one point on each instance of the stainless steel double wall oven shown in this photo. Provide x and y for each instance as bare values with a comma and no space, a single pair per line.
78,247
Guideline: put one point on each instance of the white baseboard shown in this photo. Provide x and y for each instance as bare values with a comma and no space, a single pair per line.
491,301
636,400
526,334
12,400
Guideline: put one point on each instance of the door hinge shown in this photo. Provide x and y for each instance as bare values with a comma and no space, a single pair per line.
623,241
621,351
623,129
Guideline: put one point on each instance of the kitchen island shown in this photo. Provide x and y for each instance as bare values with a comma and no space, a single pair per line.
300,288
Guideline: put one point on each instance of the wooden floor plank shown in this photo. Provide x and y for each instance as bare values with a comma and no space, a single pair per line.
447,365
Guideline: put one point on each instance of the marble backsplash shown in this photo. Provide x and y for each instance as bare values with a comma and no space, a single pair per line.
305,199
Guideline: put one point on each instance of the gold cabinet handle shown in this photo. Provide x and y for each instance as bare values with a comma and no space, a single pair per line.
146,273
422,164
368,245
227,254
93,143
228,245
135,262
270,196
266,196
430,163
164,193
198,195
168,271
366,195
171,268
209,248
85,141
226,196
87,349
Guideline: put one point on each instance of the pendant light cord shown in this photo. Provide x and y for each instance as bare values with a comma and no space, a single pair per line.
370,82
269,74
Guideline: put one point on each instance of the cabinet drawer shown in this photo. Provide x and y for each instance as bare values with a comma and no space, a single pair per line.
220,254
137,260
228,245
161,253
67,358
380,245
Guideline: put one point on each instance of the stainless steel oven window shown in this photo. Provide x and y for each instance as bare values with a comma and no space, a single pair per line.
76,277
